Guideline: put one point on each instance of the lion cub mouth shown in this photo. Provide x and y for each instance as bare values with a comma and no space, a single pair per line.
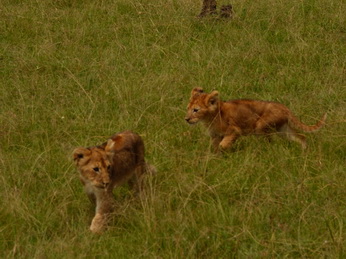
190,121
100,185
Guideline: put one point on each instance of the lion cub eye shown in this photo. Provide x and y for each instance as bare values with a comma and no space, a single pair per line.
96,169
108,167
195,110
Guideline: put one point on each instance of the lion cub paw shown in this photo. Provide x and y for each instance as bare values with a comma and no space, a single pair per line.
223,147
98,223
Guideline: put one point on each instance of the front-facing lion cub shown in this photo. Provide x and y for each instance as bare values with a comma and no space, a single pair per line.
102,168
226,121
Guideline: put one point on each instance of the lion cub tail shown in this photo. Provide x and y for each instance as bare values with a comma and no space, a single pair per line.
150,169
297,124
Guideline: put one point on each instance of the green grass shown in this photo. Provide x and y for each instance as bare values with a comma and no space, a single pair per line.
75,72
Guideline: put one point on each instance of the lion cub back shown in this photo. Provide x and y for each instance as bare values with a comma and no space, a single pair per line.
126,153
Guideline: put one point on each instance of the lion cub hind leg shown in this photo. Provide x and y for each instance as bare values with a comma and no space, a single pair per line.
293,135
136,181
216,140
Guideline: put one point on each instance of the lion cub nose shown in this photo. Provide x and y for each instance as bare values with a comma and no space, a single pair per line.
187,119
105,181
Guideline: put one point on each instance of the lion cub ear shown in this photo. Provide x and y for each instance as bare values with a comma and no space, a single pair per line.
114,144
79,153
212,98
196,90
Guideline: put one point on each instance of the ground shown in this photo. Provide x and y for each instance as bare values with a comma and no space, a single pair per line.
75,72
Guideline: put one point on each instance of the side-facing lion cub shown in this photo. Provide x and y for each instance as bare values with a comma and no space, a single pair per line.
102,168
226,121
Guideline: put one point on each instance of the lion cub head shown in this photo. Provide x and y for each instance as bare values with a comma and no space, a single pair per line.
202,106
94,166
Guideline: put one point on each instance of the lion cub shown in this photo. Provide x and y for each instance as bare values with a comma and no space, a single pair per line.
229,120
102,168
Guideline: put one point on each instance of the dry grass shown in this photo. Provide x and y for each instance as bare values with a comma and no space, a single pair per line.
75,72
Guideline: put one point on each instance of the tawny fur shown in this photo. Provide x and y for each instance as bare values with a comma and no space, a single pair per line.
227,121
104,167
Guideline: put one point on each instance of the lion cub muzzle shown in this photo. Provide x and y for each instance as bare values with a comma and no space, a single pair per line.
188,120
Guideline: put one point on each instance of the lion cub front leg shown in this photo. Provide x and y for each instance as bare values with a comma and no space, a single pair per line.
231,135
104,207
227,141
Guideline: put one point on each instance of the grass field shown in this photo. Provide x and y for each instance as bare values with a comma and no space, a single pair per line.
74,72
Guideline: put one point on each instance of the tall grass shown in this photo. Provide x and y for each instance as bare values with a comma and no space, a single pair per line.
75,72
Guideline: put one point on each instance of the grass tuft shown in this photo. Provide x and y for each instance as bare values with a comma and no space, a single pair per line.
75,72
